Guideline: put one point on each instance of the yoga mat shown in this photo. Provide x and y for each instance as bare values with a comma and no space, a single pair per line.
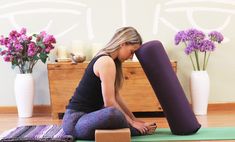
42,133
164,134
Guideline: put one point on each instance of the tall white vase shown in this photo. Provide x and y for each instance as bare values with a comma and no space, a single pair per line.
200,90
24,94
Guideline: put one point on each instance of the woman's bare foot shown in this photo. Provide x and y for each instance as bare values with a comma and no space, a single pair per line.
151,128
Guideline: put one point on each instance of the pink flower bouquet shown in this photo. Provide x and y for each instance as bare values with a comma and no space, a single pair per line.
24,51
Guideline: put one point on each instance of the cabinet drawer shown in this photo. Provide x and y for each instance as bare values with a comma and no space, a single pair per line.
137,92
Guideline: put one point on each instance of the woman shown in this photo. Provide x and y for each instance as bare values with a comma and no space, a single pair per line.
96,103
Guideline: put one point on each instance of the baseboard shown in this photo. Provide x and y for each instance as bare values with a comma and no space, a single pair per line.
46,109
221,106
37,109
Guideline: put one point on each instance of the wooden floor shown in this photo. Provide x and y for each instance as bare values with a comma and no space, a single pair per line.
212,119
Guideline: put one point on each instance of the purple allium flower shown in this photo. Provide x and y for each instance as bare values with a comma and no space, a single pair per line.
207,45
180,36
192,46
200,35
195,41
194,34
216,36
195,44
189,49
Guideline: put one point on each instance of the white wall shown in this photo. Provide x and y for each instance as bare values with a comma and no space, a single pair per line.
95,21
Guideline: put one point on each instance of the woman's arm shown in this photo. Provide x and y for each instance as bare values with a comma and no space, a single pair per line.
151,126
105,69
124,107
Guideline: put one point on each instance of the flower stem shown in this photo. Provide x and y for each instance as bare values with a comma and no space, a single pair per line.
21,66
207,59
204,61
21,71
194,68
197,61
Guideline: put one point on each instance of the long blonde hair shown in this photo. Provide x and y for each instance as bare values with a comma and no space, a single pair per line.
127,35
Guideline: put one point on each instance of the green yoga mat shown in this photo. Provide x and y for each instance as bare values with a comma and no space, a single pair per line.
164,134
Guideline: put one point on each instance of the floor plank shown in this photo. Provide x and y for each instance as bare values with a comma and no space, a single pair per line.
221,118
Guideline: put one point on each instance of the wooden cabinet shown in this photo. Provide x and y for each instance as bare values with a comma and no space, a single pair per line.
136,90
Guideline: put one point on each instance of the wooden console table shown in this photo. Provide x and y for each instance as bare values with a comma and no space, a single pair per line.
136,91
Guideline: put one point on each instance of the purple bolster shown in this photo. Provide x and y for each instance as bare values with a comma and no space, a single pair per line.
167,88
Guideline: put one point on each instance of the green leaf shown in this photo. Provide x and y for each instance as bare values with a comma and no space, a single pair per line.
44,60
14,63
0,49
35,57
43,57
25,58
13,66
41,45
34,35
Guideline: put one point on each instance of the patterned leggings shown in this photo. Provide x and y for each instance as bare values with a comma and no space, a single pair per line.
83,125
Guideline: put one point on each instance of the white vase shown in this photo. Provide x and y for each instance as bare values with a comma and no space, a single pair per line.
200,90
24,94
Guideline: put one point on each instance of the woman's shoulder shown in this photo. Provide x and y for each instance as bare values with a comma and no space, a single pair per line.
104,64
105,61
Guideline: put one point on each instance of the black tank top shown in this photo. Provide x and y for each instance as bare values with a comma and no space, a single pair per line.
88,95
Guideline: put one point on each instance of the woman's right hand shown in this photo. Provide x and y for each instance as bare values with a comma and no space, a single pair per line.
145,127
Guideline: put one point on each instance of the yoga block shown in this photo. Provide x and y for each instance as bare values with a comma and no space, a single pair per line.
114,135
